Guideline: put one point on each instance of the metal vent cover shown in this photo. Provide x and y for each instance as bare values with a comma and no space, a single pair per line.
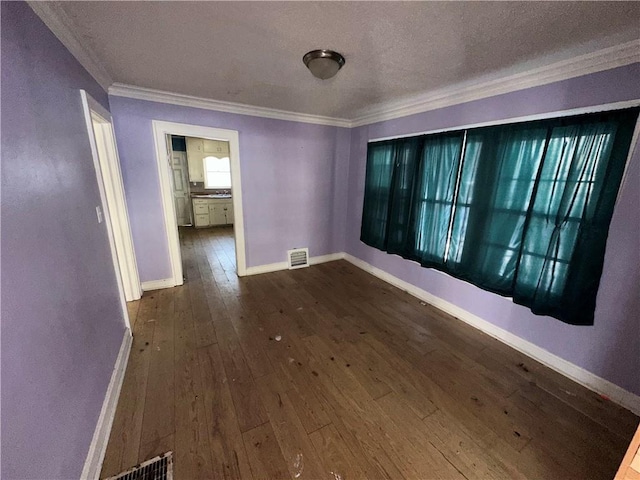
298,258
158,468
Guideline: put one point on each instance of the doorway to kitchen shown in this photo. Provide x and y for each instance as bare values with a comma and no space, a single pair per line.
199,170
203,200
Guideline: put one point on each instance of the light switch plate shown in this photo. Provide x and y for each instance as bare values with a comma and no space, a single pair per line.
99,213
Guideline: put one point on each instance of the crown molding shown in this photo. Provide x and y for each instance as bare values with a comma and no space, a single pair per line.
619,55
60,24
141,93
605,59
600,60
627,53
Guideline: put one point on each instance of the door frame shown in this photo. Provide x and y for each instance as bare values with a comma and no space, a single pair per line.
107,166
160,131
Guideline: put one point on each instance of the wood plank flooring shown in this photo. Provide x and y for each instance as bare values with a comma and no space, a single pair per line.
329,373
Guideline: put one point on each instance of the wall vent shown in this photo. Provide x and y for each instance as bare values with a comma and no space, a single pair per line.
298,258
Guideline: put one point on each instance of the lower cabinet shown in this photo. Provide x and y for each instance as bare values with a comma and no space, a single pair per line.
228,212
216,214
211,212
202,220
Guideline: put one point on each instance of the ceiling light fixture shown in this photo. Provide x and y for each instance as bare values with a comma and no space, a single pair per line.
323,63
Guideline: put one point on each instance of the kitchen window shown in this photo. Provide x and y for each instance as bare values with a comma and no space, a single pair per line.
217,172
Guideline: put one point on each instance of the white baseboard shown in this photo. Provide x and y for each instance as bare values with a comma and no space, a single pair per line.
274,267
326,258
158,284
593,382
98,447
271,267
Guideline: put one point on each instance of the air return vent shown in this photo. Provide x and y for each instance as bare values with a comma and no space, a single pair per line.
158,468
298,258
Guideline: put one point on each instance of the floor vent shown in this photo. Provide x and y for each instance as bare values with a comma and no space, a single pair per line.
298,258
158,468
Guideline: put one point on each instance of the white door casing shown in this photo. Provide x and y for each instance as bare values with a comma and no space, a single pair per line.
160,131
107,165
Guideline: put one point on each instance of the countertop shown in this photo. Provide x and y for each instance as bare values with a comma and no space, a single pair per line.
210,195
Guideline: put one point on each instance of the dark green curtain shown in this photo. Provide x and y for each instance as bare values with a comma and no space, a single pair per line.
402,190
377,194
499,171
562,252
522,210
409,193
433,203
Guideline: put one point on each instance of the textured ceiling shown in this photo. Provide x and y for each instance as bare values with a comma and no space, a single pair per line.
251,52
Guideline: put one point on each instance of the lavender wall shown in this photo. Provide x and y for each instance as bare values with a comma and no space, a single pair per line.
61,320
293,188
610,348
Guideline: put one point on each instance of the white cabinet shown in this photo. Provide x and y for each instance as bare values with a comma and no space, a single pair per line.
201,212
202,220
221,212
216,148
228,212
195,159
216,214
195,145
211,211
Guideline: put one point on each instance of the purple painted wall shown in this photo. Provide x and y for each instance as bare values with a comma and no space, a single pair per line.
610,348
293,188
303,186
61,320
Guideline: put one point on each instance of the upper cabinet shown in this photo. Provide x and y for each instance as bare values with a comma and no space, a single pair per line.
195,145
216,148
195,156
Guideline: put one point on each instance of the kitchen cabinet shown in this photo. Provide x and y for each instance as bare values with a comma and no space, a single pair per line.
221,213
229,214
202,220
213,211
195,159
217,214
216,148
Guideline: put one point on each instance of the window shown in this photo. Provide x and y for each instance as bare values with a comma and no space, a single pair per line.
499,170
380,162
217,172
521,210
435,188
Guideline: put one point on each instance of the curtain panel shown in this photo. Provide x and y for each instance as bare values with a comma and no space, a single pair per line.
522,210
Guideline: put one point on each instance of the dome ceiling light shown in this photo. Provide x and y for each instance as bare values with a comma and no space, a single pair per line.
323,64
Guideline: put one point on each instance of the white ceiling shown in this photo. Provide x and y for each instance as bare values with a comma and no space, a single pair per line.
251,52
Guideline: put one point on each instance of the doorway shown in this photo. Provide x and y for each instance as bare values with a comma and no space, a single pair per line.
113,210
213,205
203,200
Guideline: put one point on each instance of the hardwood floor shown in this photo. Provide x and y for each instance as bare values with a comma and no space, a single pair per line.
329,373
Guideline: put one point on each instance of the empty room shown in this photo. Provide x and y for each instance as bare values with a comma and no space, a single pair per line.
320,240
